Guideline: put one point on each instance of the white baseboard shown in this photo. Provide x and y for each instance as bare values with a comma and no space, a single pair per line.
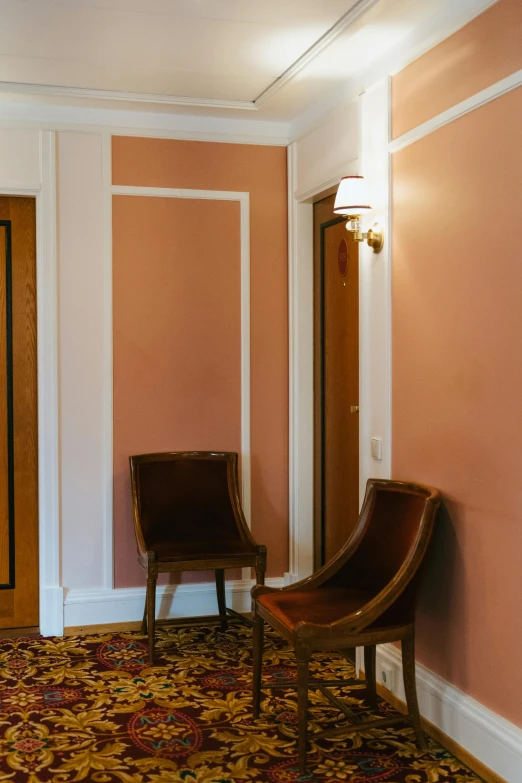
121,605
51,611
494,741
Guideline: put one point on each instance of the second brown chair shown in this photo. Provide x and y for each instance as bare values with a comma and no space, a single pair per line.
366,595
188,516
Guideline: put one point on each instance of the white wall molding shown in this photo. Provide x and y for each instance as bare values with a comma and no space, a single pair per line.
161,99
244,210
211,195
106,479
191,127
84,320
301,379
96,607
13,188
494,741
246,470
481,98
51,592
375,289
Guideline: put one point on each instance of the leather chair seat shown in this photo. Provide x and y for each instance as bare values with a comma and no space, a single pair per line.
319,606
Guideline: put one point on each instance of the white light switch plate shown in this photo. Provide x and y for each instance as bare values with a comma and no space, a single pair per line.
376,446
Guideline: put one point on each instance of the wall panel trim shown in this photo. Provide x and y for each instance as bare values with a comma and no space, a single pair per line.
481,98
186,127
106,466
244,211
51,591
300,380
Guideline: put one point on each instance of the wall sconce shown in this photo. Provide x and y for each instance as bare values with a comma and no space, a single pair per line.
351,200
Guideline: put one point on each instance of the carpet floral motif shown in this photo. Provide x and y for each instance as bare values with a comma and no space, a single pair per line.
90,708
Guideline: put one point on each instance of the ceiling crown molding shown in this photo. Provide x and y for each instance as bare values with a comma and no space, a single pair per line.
119,95
349,18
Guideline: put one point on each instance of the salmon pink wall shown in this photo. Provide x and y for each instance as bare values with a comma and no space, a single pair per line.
486,50
177,322
457,376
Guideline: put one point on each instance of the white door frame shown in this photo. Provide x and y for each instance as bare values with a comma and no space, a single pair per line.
374,330
44,192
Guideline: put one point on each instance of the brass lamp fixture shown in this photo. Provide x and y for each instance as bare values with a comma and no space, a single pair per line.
352,202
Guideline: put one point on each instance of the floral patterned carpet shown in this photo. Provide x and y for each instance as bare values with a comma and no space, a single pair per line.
91,708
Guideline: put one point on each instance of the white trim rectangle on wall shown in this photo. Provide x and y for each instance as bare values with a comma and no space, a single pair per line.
244,210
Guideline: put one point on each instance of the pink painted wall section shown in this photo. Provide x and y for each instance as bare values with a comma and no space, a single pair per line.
260,171
486,50
177,360
457,380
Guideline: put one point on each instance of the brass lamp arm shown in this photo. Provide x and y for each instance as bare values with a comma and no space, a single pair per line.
374,236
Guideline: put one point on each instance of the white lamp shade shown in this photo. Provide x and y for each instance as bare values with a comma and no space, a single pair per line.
352,198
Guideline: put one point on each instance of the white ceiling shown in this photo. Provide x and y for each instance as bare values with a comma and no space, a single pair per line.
224,49
225,56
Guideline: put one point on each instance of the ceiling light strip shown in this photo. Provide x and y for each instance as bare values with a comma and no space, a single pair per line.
116,95
349,18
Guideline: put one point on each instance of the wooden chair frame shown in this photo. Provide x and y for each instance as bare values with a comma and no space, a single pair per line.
354,629
154,566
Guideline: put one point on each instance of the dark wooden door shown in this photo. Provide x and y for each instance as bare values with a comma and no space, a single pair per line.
336,381
18,415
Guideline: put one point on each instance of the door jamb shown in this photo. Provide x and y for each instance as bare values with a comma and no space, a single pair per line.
44,192
374,328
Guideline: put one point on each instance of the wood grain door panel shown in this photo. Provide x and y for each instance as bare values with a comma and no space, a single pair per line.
336,382
18,415
340,387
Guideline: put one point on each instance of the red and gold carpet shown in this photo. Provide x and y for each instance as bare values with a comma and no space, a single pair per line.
91,708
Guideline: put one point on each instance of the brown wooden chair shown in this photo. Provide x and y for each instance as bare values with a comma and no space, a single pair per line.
188,516
364,596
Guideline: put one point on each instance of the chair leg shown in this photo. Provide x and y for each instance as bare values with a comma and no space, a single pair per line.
302,710
408,673
369,670
260,565
143,629
257,663
220,589
151,613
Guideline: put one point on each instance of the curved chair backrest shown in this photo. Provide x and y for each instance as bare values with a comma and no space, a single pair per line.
180,495
391,538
